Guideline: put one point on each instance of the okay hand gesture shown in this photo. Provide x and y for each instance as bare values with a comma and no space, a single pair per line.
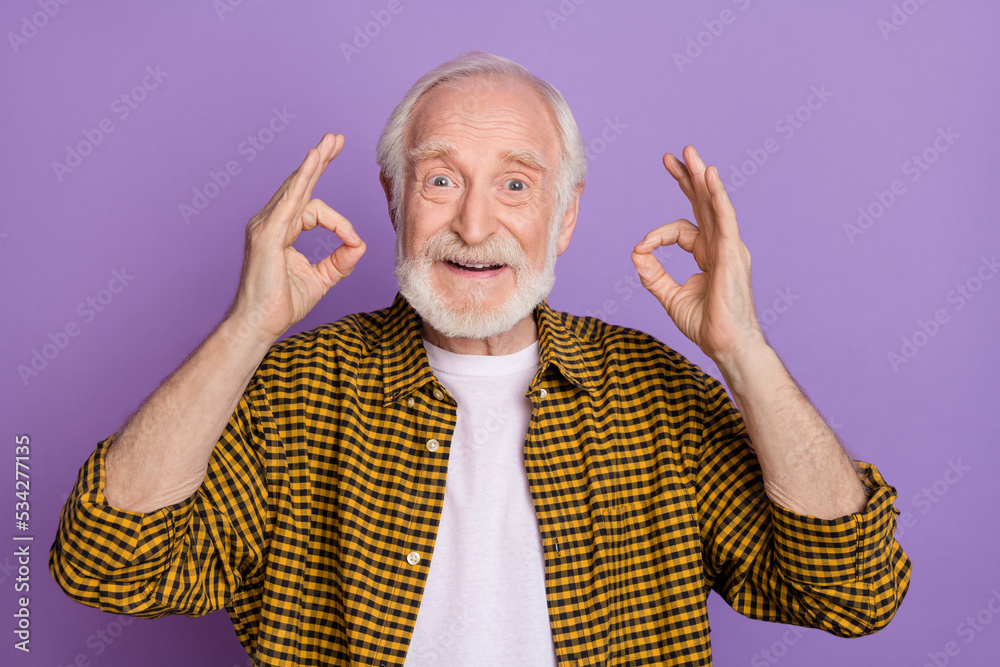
278,285
713,308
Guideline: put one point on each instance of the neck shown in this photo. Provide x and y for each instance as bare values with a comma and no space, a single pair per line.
515,339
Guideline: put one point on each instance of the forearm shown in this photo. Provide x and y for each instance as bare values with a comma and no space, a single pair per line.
805,468
161,456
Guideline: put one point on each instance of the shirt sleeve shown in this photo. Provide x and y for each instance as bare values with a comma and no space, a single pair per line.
189,558
846,576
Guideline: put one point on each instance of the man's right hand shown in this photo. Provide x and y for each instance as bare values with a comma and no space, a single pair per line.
278,286
161,455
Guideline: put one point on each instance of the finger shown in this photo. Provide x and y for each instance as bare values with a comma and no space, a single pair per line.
654,277
303,171
340,263
329,147
681,232
704,213
725,214
693,161
685,180
680,172
299,198
319,213
272,224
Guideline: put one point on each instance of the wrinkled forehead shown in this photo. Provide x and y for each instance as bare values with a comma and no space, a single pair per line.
505,113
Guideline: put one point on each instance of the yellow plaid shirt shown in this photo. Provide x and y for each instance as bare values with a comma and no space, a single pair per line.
323,487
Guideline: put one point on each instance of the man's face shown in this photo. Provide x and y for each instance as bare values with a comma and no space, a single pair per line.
477,242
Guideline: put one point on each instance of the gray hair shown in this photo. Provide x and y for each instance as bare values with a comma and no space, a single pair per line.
391,150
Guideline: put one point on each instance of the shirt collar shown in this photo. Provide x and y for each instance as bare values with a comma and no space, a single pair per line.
564,341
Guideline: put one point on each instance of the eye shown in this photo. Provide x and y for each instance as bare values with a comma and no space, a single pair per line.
441,181
515,185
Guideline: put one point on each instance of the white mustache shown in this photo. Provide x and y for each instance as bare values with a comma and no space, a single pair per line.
504,250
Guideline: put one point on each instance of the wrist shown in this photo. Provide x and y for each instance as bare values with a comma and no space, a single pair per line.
742,366
241,333
743,354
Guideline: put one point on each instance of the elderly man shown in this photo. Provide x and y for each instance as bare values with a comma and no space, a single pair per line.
469,477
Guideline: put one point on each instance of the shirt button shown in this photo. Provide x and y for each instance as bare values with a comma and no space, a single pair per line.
432,445
413,558
438,394
409,402
542,393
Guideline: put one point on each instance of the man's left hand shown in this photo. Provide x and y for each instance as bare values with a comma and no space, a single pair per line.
713,308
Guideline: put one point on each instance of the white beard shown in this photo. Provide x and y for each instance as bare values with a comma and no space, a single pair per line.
473,318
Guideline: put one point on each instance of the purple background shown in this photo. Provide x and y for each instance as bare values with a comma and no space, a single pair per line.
836,305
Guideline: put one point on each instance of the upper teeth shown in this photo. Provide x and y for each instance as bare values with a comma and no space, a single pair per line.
472,266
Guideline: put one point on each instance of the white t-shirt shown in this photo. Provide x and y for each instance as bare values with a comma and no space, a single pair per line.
484,600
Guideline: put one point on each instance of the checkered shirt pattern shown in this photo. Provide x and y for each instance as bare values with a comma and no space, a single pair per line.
322,488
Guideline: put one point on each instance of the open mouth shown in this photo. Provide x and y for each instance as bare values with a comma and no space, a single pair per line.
469,266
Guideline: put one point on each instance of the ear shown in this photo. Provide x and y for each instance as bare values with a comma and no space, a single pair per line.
569,220
387,187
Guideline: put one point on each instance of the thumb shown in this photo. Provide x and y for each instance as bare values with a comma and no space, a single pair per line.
341,262
653,276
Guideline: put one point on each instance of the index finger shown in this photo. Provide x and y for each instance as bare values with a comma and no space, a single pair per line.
326,155
703,197
686,174
295,192
680,172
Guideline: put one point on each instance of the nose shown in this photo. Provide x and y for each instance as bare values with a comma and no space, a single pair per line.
476,219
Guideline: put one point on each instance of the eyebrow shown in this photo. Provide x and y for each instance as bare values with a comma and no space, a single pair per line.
428,150
527,157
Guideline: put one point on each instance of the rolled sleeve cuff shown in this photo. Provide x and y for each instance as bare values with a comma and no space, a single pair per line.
111,543
824,552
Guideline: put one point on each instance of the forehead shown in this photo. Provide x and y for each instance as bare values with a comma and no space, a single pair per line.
479,113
